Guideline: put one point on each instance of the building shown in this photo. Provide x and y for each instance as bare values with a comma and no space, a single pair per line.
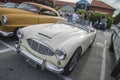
101,7
61,3
67,7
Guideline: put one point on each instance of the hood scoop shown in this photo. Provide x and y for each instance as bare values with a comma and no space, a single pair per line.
44,35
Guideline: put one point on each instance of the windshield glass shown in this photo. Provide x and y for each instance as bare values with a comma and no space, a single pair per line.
29,7
87,27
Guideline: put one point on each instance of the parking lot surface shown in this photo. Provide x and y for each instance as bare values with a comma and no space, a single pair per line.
95,64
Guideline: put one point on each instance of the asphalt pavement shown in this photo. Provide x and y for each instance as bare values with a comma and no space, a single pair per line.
96,63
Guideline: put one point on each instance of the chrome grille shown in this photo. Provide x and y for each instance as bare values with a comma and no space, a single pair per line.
40,47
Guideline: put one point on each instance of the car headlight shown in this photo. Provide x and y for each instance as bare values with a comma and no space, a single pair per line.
60,54
4,20
20,34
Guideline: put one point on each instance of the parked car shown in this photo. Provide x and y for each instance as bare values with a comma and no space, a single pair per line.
99,26
115,47
9,5
27,13
54,46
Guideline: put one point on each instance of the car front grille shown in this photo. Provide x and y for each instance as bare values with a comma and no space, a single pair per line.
40,47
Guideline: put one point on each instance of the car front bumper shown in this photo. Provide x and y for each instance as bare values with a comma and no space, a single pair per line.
43,63
6,34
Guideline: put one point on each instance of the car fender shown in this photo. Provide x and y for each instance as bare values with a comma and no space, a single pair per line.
70,47
18,20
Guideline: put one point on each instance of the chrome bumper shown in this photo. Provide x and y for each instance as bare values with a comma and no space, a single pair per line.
43,63
6,34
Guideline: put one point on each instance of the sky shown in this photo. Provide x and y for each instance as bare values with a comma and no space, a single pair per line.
114,3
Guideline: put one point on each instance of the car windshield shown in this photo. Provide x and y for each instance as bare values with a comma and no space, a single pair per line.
87,27
29,7
10,5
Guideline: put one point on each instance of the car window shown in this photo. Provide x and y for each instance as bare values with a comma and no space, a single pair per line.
29,7
47,12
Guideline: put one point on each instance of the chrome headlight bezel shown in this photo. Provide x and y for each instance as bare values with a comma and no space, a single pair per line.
60,54
4,20
20,34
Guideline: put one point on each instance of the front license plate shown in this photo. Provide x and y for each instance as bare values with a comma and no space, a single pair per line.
31,62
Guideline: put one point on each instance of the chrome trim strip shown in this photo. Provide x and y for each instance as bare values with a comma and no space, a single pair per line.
44,35
44,44
38,46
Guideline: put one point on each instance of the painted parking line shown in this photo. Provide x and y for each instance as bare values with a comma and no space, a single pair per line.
102,76
5,50
11,47
63,77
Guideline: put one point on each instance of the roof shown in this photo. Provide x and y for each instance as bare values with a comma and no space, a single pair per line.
61,3
42,6
68,7
100,4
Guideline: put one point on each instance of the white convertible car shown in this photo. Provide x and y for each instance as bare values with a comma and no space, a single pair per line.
54,46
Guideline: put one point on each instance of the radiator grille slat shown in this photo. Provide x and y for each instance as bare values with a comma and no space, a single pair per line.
40,48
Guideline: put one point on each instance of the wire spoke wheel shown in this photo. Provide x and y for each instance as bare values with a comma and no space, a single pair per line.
73,62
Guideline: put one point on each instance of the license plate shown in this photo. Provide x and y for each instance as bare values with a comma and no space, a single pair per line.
31,62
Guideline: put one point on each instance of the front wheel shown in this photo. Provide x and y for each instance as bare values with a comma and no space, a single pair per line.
116,71
72,63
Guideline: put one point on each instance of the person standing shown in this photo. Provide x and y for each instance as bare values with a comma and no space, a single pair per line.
75,17
85,23
104,21
88,17
70,16
82,18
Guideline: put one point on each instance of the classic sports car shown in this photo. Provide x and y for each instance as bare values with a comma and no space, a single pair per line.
54,46
115,47
9,5
25,14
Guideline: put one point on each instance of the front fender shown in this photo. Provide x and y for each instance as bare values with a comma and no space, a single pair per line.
70,46
18,20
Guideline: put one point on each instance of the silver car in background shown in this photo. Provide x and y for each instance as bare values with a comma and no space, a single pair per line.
115,47
9,5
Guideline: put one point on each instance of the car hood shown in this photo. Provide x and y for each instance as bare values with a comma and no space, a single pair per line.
54,34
